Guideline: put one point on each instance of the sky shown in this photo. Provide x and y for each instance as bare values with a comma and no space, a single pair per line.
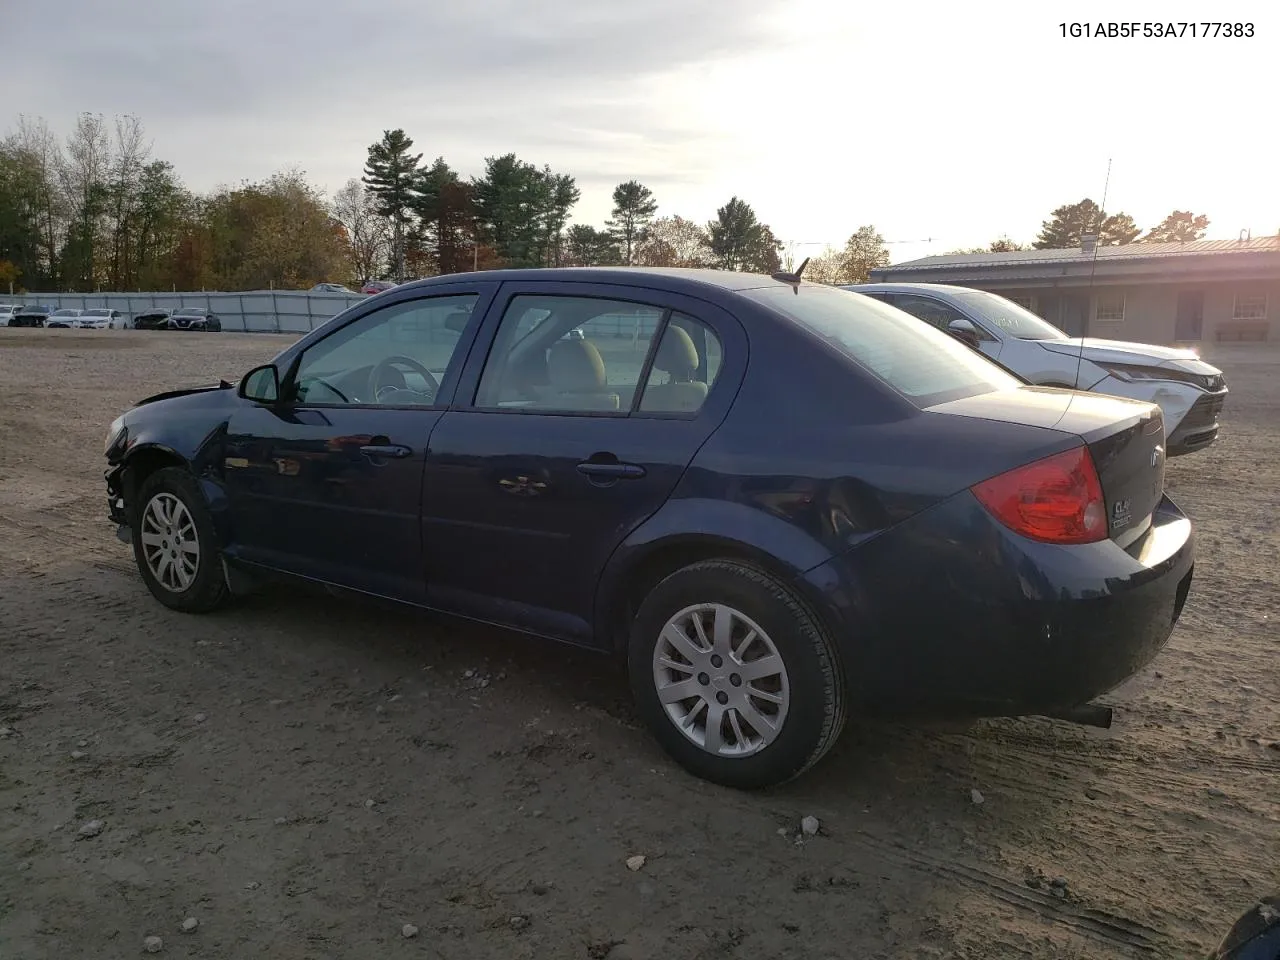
944,125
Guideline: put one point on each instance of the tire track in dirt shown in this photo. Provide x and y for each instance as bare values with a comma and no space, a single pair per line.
1103,926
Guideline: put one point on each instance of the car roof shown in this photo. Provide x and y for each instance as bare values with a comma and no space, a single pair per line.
675,279
935,288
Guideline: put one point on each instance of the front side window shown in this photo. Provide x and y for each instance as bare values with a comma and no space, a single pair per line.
568,354
933,312
1013,320
395,356
920,362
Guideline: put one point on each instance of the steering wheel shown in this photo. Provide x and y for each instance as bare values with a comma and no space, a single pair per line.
388,365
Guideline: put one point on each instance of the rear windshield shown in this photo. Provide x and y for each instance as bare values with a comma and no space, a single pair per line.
922,363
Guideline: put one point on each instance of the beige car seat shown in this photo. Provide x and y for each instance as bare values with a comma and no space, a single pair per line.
678,359
575,370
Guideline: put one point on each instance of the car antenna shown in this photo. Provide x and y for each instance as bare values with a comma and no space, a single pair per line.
792,277
1093,266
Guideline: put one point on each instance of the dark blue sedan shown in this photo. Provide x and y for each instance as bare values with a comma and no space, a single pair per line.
779,501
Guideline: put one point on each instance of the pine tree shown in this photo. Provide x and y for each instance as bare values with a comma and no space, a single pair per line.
1179,226
633,210
390,173
739,241
1069,223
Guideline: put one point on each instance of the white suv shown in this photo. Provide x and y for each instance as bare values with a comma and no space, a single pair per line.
1189,391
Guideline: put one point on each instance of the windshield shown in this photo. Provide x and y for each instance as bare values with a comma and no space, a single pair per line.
97,313
923,364
1016,321
189,312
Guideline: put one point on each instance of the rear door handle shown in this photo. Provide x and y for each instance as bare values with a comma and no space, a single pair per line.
392,450
611,471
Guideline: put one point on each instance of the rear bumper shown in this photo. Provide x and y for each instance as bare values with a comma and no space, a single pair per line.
953,614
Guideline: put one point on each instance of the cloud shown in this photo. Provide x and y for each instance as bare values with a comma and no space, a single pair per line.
232,89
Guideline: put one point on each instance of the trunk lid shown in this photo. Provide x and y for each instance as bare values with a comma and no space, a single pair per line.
1125,438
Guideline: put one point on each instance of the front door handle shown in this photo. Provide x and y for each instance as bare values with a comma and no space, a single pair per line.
597,470
389,450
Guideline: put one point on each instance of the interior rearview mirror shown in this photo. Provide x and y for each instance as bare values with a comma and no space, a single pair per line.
261,384
963,330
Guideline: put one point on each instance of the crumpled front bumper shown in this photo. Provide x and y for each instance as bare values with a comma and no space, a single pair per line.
117,508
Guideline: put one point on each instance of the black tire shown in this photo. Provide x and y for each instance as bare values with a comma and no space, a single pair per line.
208,589
817,702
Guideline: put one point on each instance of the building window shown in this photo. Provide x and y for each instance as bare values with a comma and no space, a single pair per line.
1250,308
1110,307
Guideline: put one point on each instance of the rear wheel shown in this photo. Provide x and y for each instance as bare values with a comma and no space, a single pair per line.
734,676
174,543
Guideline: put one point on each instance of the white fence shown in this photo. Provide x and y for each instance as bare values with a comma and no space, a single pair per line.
255,311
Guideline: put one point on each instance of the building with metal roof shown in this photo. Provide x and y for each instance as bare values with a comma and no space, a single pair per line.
1151,292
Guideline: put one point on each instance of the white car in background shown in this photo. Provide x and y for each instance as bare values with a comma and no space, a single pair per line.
7,310
1189,391
101,318
66,318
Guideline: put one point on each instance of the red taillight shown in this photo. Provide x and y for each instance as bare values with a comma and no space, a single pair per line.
1056,500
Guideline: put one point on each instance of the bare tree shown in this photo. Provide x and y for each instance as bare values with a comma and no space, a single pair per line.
85,174
131,154
36,144
367,232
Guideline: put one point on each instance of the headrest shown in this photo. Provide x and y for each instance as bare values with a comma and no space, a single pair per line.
576,365
677,355
457,321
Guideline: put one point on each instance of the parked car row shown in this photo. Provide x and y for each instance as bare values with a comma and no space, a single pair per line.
784,504
104,318
180,318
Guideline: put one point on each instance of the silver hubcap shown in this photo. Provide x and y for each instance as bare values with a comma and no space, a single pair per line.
721,680
170,543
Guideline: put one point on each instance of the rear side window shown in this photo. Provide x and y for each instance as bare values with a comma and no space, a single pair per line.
925,365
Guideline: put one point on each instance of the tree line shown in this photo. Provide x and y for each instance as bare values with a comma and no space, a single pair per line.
98,211
1068,225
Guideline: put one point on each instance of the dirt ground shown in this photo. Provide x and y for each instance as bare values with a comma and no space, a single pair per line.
304,776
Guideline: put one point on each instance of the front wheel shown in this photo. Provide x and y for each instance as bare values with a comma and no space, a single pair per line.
175,545
734,676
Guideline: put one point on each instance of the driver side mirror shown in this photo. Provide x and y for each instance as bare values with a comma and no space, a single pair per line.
261,384
964,331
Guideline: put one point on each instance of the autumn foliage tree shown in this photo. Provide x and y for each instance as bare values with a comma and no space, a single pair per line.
674,242
852,263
